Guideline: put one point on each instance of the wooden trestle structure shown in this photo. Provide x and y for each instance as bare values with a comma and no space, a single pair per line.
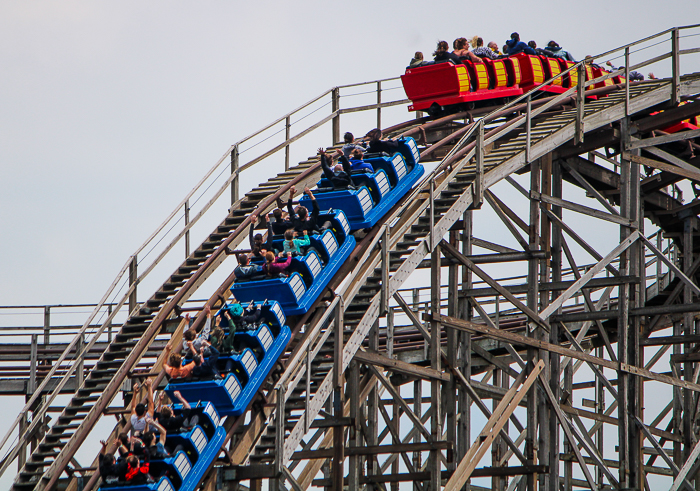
396,385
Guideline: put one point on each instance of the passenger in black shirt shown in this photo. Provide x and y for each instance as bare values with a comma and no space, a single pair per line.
442,54
377,145
279,224
339,175
111,471
171,422
300,218
256,241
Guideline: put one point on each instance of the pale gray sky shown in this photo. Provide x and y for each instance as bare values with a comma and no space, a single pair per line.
111,111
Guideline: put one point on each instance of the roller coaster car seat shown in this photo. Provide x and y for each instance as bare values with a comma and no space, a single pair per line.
513,70
478,75
498,73
552,67
531,69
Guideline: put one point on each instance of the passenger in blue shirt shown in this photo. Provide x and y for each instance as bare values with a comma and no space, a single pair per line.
515,46
356,162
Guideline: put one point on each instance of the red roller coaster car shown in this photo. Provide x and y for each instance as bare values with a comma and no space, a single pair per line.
433,87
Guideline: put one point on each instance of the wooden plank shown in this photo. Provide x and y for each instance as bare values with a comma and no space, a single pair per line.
326,453
584,210
393,365
673,169
660,140
518,339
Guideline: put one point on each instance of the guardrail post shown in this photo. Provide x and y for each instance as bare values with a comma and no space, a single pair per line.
580,101
379,101
187,234
528,129
479,178
33,358
390,333
80,369
234,170
22,454
279,431
338,402
432,215
47,325
335,107
109,327
627,81
675,67
287,129
307,396
385,270
133,276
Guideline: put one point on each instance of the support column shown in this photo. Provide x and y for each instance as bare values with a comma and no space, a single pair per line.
235,183
531,439
623,327
435,364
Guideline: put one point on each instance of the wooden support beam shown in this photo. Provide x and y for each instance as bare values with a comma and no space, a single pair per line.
661,140
397,366
584,210
492,428
673,169
518,339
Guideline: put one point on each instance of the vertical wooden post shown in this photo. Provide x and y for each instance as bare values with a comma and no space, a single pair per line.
675,68
627,81
335,107
580,101
133,278
80,368
528,129
354,430
385,270
338,402
465,348
479,179
623,320
450,388
47,325
287,129
109,327
373,411
22,455
234,170
187,234
390,333
379,101
33,358
555,367
418,410
531,440
435,364
279,437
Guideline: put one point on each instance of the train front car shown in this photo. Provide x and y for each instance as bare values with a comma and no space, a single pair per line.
256,350
433,87
376,193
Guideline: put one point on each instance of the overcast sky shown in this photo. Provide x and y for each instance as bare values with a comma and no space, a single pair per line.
111,111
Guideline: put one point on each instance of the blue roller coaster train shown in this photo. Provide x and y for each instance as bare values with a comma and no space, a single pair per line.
257,350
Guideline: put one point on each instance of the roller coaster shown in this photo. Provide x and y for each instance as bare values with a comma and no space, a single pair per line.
308,381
